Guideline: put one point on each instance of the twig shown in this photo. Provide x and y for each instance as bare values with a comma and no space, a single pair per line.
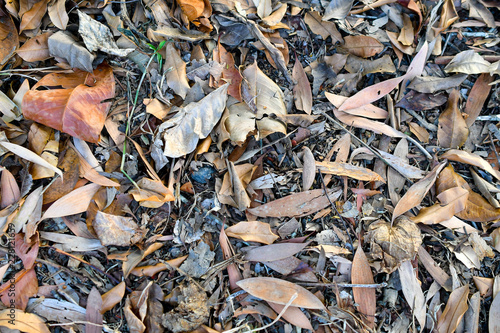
343,285
335,208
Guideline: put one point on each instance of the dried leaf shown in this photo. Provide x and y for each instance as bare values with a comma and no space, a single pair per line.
275,17
8,36
180,134
365,297
253,231
78,109
10,190
113,297
298,204
72,203
363,46
454,310
417,192
27,322
368,124
175,68
293,315
274,252
412,291
477,96
151,193
280,292
448,15
393,243
494,315
93,314
229,73
98,37
309,169
477,208
33,17
368,110
453,201
452,130
116,230
323,28
58,14
468,62
36,48
302,90
264,97
471,159
349,170
30,156
337,9
431,84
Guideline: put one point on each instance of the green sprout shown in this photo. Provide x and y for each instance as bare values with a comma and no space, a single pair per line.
159,57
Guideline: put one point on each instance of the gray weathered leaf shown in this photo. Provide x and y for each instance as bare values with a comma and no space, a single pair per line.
337,9
180,134
63,45
97,36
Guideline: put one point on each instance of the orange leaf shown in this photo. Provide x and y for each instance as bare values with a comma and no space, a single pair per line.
362,274
349,170
471,159
113,297
229,71
280,292
8,36
78,109
33,17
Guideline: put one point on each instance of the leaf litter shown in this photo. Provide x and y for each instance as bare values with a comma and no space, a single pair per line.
234,166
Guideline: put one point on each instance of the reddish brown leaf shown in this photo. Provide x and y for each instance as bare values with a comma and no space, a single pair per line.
78,109
362,274
25,286
26,252
229,72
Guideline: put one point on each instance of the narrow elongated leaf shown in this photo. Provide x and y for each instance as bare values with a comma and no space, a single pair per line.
309,169
454,310
349,170
365,297
175,68
179,135
280,292
471,159
412,291
372,125
453,201
274,251
72,203
298,204
368,110
30,156
302,90
58,14
477,96
452,130
414,196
